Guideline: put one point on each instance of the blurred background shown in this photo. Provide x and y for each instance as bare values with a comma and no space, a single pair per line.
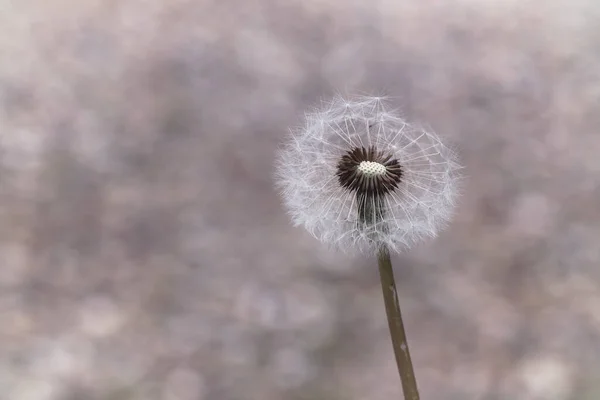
145,254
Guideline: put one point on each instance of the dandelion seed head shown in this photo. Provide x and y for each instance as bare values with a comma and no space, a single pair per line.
357,176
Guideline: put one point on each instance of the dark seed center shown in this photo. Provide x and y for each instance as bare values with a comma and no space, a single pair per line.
368,171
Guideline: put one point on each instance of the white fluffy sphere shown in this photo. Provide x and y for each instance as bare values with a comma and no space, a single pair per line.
416,198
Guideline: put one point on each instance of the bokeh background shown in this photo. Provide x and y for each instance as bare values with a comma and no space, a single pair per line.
145,254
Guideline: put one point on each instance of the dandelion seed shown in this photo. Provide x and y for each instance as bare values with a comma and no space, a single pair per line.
358,177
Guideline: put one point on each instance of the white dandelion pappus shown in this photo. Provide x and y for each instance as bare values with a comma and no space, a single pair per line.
357,177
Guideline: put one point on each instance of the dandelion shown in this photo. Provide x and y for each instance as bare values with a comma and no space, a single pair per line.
356,176
362,180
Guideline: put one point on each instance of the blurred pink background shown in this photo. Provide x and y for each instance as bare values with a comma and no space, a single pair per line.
145,254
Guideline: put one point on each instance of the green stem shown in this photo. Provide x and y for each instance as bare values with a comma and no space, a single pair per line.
371,211
394,316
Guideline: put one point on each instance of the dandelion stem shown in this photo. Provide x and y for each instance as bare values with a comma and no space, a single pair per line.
394,316
371,212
